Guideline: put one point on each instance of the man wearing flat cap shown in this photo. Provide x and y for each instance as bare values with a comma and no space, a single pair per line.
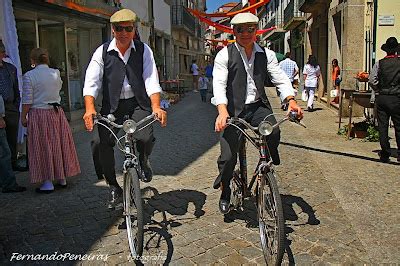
125,72
240,72
385,80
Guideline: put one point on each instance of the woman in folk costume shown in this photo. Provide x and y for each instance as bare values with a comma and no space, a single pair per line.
51,149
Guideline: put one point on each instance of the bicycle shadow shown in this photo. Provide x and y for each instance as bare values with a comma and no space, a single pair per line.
158,241
248,214
291,216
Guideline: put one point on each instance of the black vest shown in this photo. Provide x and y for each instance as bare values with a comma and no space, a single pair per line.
389,76
237,79
115,71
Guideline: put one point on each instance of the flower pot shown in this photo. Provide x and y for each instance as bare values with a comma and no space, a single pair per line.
360,134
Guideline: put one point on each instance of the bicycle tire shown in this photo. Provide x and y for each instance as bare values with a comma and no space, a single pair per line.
269,204
133,208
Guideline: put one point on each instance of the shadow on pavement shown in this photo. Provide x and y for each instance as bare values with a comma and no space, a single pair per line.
248,214
158,242
188,135
289,201
335,152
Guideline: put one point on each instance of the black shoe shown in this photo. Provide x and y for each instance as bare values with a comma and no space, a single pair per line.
310,109
383,158
115,197
18,168
224,201
60,186
42,191
147,171
17,188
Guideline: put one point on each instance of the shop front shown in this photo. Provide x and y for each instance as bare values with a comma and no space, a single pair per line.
70,31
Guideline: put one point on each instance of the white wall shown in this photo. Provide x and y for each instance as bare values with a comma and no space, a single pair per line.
140,7
162,16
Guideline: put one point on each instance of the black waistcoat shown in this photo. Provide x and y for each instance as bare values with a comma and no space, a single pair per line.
236,89
389,76
115,71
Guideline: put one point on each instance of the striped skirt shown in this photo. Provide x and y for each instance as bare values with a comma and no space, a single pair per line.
51,148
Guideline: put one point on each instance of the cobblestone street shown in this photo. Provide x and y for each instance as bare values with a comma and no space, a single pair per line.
339,201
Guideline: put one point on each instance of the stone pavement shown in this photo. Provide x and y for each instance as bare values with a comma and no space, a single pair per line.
339,202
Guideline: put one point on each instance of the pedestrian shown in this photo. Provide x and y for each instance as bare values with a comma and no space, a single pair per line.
291,70
9,90
8,182
239,76
336,79
385,80
208,73
203,81
51,148
194,69
311,73
124,70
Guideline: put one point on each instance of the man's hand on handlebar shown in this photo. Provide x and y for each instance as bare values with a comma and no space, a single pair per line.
223,115
161,115
88,118
294,107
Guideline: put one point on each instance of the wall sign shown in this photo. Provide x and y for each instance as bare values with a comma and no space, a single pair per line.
386,20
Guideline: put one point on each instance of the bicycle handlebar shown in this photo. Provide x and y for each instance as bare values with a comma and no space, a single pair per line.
292,117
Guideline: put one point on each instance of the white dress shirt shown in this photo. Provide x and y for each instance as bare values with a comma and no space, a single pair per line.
95,70
220,75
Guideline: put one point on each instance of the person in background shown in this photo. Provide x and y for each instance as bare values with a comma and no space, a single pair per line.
208,74
291,69
9,90
8,182
311,75
336,79
194,69
203,82
385,80
51,148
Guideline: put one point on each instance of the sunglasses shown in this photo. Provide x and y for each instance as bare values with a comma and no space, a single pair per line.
241,29
118,28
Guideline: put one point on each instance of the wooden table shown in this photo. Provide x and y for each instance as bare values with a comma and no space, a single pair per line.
168,85
360,97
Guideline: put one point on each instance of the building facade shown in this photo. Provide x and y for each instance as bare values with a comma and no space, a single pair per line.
70,31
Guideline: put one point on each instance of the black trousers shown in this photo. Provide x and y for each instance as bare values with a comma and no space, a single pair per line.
388,106
229,141
12,122
145,139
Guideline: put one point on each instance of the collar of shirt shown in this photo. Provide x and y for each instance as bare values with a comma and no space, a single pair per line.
42,66
125,57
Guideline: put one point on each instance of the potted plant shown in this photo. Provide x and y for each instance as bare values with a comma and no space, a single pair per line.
360,129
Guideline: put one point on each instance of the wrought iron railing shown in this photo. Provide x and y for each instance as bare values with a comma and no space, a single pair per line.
292,11
277,21
181,17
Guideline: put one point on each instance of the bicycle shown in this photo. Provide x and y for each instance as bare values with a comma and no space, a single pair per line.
268,200
132,173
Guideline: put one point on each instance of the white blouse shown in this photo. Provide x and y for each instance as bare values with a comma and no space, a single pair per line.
41,86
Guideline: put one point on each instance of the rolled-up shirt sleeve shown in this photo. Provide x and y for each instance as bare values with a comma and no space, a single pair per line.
373,80
94,74
220,77
278,77
150,74
27,90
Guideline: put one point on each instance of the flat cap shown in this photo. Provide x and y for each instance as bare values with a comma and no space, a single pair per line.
123,15
243,18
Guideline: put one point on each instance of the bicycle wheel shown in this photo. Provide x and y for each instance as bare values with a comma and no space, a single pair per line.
270,219
133,207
